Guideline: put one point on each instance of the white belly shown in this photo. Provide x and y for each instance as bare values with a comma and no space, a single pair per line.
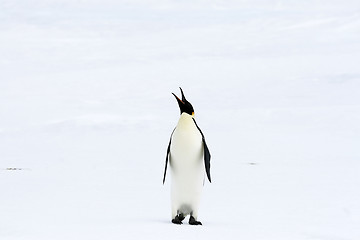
187,168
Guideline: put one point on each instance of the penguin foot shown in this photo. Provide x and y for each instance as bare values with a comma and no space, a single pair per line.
181,216
178,219
192,221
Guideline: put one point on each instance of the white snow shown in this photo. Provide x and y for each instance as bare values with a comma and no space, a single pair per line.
86,112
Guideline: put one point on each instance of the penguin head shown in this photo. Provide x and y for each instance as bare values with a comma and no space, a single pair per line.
185,105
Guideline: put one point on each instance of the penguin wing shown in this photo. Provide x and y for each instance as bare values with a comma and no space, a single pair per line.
207,155
167,156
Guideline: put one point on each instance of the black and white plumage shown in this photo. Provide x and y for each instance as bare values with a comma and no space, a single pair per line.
189,160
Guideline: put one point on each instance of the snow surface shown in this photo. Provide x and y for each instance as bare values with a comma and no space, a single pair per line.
86,113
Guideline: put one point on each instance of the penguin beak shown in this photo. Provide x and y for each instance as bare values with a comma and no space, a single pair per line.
182,95
180,102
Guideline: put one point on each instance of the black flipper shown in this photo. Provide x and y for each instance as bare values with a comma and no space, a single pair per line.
167,156
207,155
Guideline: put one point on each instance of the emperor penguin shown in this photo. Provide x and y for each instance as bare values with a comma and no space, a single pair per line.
189,160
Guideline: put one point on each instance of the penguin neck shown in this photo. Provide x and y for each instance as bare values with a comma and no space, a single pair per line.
185,121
